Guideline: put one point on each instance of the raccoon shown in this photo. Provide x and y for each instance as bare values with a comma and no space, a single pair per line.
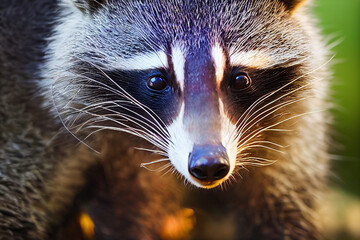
223,101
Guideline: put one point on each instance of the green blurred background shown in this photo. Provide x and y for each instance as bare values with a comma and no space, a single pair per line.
340,21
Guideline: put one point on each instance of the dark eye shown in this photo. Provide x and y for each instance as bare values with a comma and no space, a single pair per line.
157,83
240,82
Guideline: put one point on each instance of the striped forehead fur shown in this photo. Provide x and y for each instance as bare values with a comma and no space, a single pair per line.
178,62
142,62
252,58
118,42
177,20
220,62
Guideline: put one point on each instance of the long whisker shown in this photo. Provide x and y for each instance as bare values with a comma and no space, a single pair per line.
63,123
263,146
134,132
106,117
131,118
268,142
256,132
266,96
124,94
159,169
155,161
131,98
159,152
267,113
145,134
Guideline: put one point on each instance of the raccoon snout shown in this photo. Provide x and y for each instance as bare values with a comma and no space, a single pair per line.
208,163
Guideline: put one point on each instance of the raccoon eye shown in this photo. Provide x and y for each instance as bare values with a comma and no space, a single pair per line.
157,83
240,82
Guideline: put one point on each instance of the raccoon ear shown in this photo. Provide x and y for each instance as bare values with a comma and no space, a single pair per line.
88,6
291,5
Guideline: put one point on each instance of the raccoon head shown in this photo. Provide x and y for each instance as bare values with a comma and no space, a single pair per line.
205,81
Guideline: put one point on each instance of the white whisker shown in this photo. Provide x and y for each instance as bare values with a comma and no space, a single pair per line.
155,161
159,152
159,169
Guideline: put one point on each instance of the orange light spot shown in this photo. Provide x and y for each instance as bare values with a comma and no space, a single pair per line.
179,225
87,226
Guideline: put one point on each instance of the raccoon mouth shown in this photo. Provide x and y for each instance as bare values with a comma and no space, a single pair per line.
208,184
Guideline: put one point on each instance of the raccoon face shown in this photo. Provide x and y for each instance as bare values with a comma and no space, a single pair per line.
204,82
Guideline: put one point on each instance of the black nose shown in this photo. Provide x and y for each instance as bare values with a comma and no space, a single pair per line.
208,162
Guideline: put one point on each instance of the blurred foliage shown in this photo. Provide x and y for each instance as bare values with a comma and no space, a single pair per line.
340,20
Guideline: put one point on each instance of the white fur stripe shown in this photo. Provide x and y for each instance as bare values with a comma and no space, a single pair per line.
219,60
252,58
228,137
181,146
178,61
143,62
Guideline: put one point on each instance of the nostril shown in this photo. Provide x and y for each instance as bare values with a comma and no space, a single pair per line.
221,171
198,167
199,173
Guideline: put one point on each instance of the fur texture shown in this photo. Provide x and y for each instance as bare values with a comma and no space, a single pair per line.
58,62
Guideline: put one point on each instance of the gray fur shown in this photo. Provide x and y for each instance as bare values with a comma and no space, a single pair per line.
45,174
29,154
23,141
